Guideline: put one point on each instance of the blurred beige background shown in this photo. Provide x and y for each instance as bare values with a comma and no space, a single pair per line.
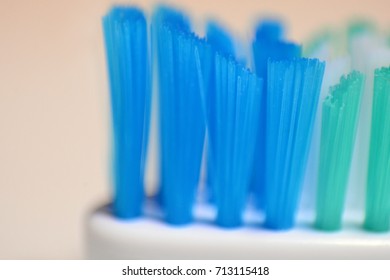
54,121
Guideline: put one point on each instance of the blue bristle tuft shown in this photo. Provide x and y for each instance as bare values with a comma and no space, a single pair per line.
167,16
263,50
267,45
232,125
293,93
182,124
125,37
171,17
270,29
220,39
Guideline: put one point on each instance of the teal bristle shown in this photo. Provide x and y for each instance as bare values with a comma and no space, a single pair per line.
358,27
378,180
182,124
125,37
235,103
268,44
293,91
339,122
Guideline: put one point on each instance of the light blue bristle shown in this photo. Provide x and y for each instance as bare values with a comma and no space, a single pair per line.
268,44
235,104
293,93
125,37
182,124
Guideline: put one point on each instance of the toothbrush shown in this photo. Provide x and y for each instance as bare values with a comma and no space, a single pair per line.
204,92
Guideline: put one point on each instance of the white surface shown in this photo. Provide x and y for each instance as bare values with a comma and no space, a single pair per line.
54,108
148,238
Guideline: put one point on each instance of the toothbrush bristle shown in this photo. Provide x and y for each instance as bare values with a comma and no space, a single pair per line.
323,45
256,126
220,39
172,17
263,50
270,30
359,27
126,44
378,180
267,45
182,126
339,122
293,91
235,106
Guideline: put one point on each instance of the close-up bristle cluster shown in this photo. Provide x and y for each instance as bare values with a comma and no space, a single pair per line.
126,40
236,101
338,129
205,130
269,43
236,132
182,126
378,182
293,91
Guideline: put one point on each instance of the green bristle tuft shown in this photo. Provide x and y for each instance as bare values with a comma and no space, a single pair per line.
339,122
378,181
358,27
323,38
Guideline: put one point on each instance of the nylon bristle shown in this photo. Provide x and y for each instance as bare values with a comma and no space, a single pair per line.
235,108
339,122
378,181
182,125
128,68
267,45
293,91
